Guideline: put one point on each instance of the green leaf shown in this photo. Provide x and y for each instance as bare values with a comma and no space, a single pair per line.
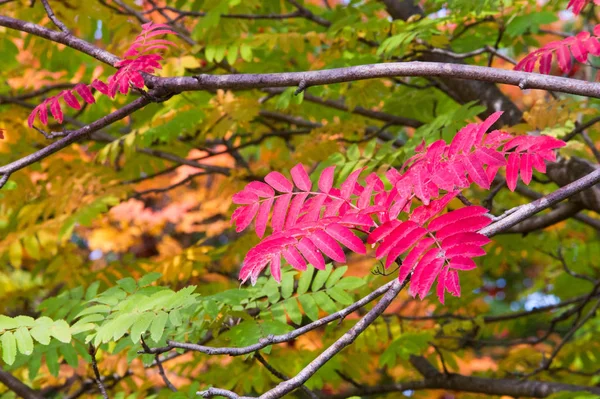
69,354
140,326
340,296
93,310
293,310
309,306
7,323
149,279
120,325
61,331
336,276
246,52
41,334
128,284
52,362
9,347
34,364
175,317
305,279
232,52
24,341
287,285
325,302
321,278
350,283
158,326
353,153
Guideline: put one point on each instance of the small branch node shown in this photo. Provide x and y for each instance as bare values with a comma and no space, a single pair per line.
301,87
523,84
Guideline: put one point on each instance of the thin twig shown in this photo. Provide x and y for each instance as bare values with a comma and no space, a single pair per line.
54,19
101,387
282,376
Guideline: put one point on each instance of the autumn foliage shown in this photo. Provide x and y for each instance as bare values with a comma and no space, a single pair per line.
308,224
299,198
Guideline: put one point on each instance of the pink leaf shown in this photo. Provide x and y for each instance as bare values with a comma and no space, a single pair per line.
85,93
423,213
311,253
472,223
381,232
347,188
407,241
293,257
279,182
452,283
261,189
462,263
279,211
455,216
244,197
246,217
411,259
441,287
538,163
465,238
394,238
70,100
328,245
426,272
100,86
55,109
294,210
486,124
300,177
564,59
263,217
490,157
326,179
314,211
512,171
468,250
546,63
526,168
475,170
345,236
276,267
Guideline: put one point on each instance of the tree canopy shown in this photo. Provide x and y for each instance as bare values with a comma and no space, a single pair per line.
299,198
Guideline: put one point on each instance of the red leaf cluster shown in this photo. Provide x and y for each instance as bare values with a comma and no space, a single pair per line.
308,223
580,46
137,59
577,5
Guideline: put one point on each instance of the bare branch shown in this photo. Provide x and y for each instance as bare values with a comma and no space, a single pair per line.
525,211
18,387
345,340
282,376
60,37
54,19
101,387
371,71
74,136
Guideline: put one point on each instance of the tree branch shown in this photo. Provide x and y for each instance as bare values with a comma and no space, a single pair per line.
345,340
60,37
282,376
54,19
74,136
18,387
372,71
525,211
